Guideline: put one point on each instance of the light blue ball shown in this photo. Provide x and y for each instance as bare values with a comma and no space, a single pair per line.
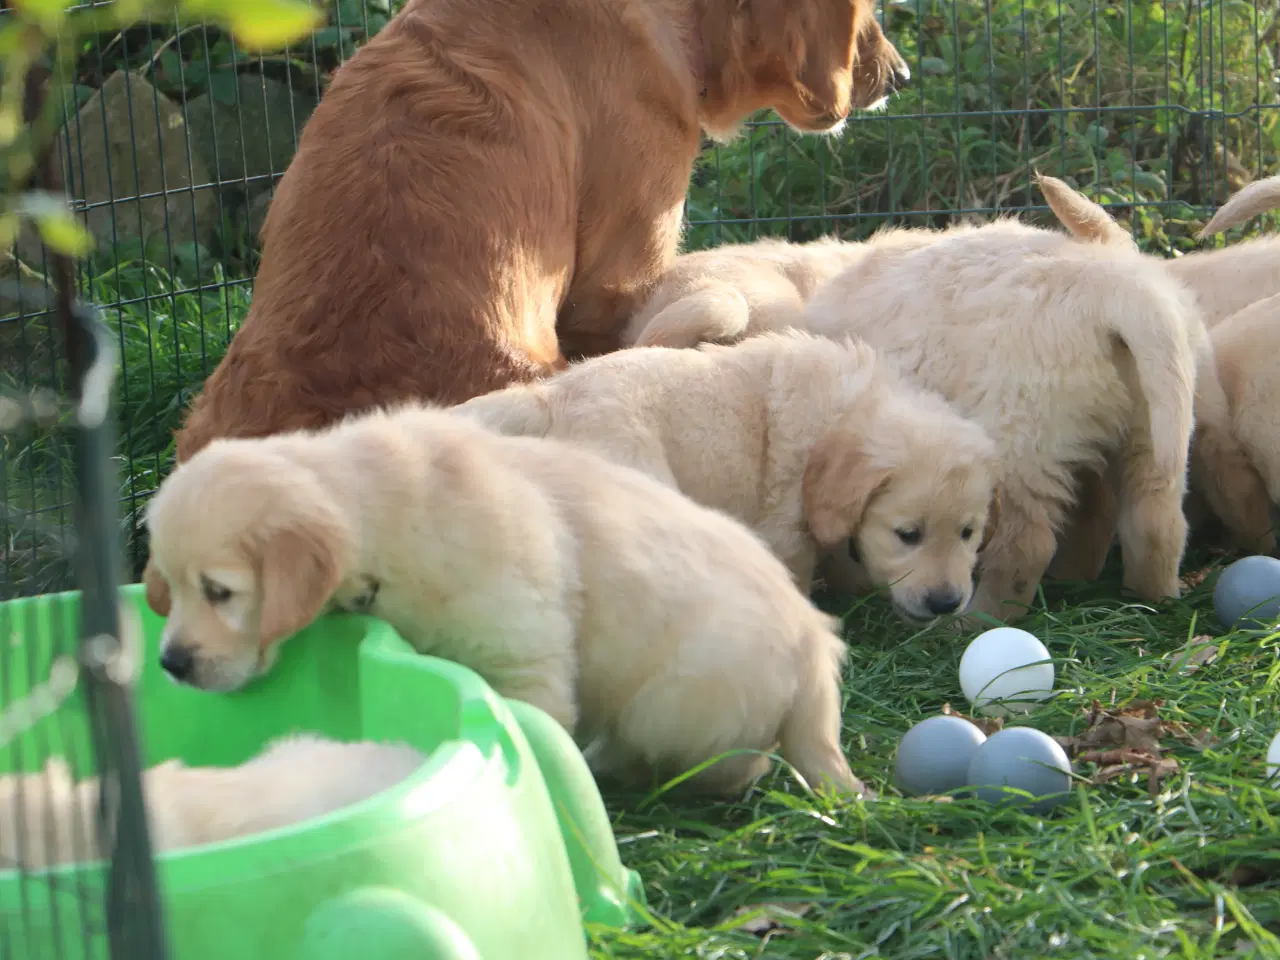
933,756
1247,595
1025,759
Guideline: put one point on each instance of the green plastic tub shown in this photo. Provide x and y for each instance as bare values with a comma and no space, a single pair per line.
497,849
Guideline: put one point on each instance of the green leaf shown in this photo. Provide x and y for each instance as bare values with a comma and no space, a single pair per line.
9,224
59,228
264,24
10,124
350,13
222,86
171,66
334,38
47,13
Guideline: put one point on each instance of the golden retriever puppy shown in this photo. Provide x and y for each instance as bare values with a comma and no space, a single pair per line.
658,632
734,291
1222,475
487,208
1224,281
47,818
1067,353
1227,280
742,289
1236,459
808,441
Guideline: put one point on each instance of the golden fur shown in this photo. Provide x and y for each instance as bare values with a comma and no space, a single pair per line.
1236,458
658,632
1068,353
464,212
741,289
1236,392
808,441
1227,280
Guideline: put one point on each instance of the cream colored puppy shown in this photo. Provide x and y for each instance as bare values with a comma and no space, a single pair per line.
1226,470
742,289
47,818
1228,279
1236,458
1224,281
1067,353
808,441
661,634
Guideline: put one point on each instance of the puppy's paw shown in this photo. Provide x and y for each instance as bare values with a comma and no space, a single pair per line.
1152,588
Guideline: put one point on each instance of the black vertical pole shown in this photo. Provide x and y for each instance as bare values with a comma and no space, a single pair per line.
134,921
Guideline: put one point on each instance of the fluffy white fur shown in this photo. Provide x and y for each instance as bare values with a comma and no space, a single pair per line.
658,632
1233,450
1068,353
738,290
47,818
1236,457
1226,280
807,440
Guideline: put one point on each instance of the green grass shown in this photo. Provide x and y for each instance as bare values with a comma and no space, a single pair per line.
1192,872
1002,88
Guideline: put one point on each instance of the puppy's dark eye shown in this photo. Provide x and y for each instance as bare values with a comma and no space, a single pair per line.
966,533
909,536
215,593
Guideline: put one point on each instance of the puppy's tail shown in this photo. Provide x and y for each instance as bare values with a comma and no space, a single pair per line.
1084,219
810,734
1247,202
517,411
1156,323
714,313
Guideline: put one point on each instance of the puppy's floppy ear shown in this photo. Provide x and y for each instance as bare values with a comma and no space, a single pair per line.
303,560
157,589
839,482
993,519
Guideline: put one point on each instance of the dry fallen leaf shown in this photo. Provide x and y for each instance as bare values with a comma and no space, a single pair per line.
1194,578
1122,741
1200,651
766,918
988,725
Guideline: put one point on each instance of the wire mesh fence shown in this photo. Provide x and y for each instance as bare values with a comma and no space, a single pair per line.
76,873
173,141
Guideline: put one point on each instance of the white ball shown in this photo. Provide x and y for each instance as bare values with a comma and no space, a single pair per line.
1273,759
995,666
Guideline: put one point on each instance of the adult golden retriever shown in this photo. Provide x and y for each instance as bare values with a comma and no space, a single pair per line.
489,186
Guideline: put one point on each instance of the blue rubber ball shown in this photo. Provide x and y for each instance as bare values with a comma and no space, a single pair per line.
1025,759
1247,595
933,756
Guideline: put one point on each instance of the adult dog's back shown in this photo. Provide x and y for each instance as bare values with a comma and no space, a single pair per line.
461,203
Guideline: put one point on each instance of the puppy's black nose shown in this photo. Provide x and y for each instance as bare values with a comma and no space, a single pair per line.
177,662
946,600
